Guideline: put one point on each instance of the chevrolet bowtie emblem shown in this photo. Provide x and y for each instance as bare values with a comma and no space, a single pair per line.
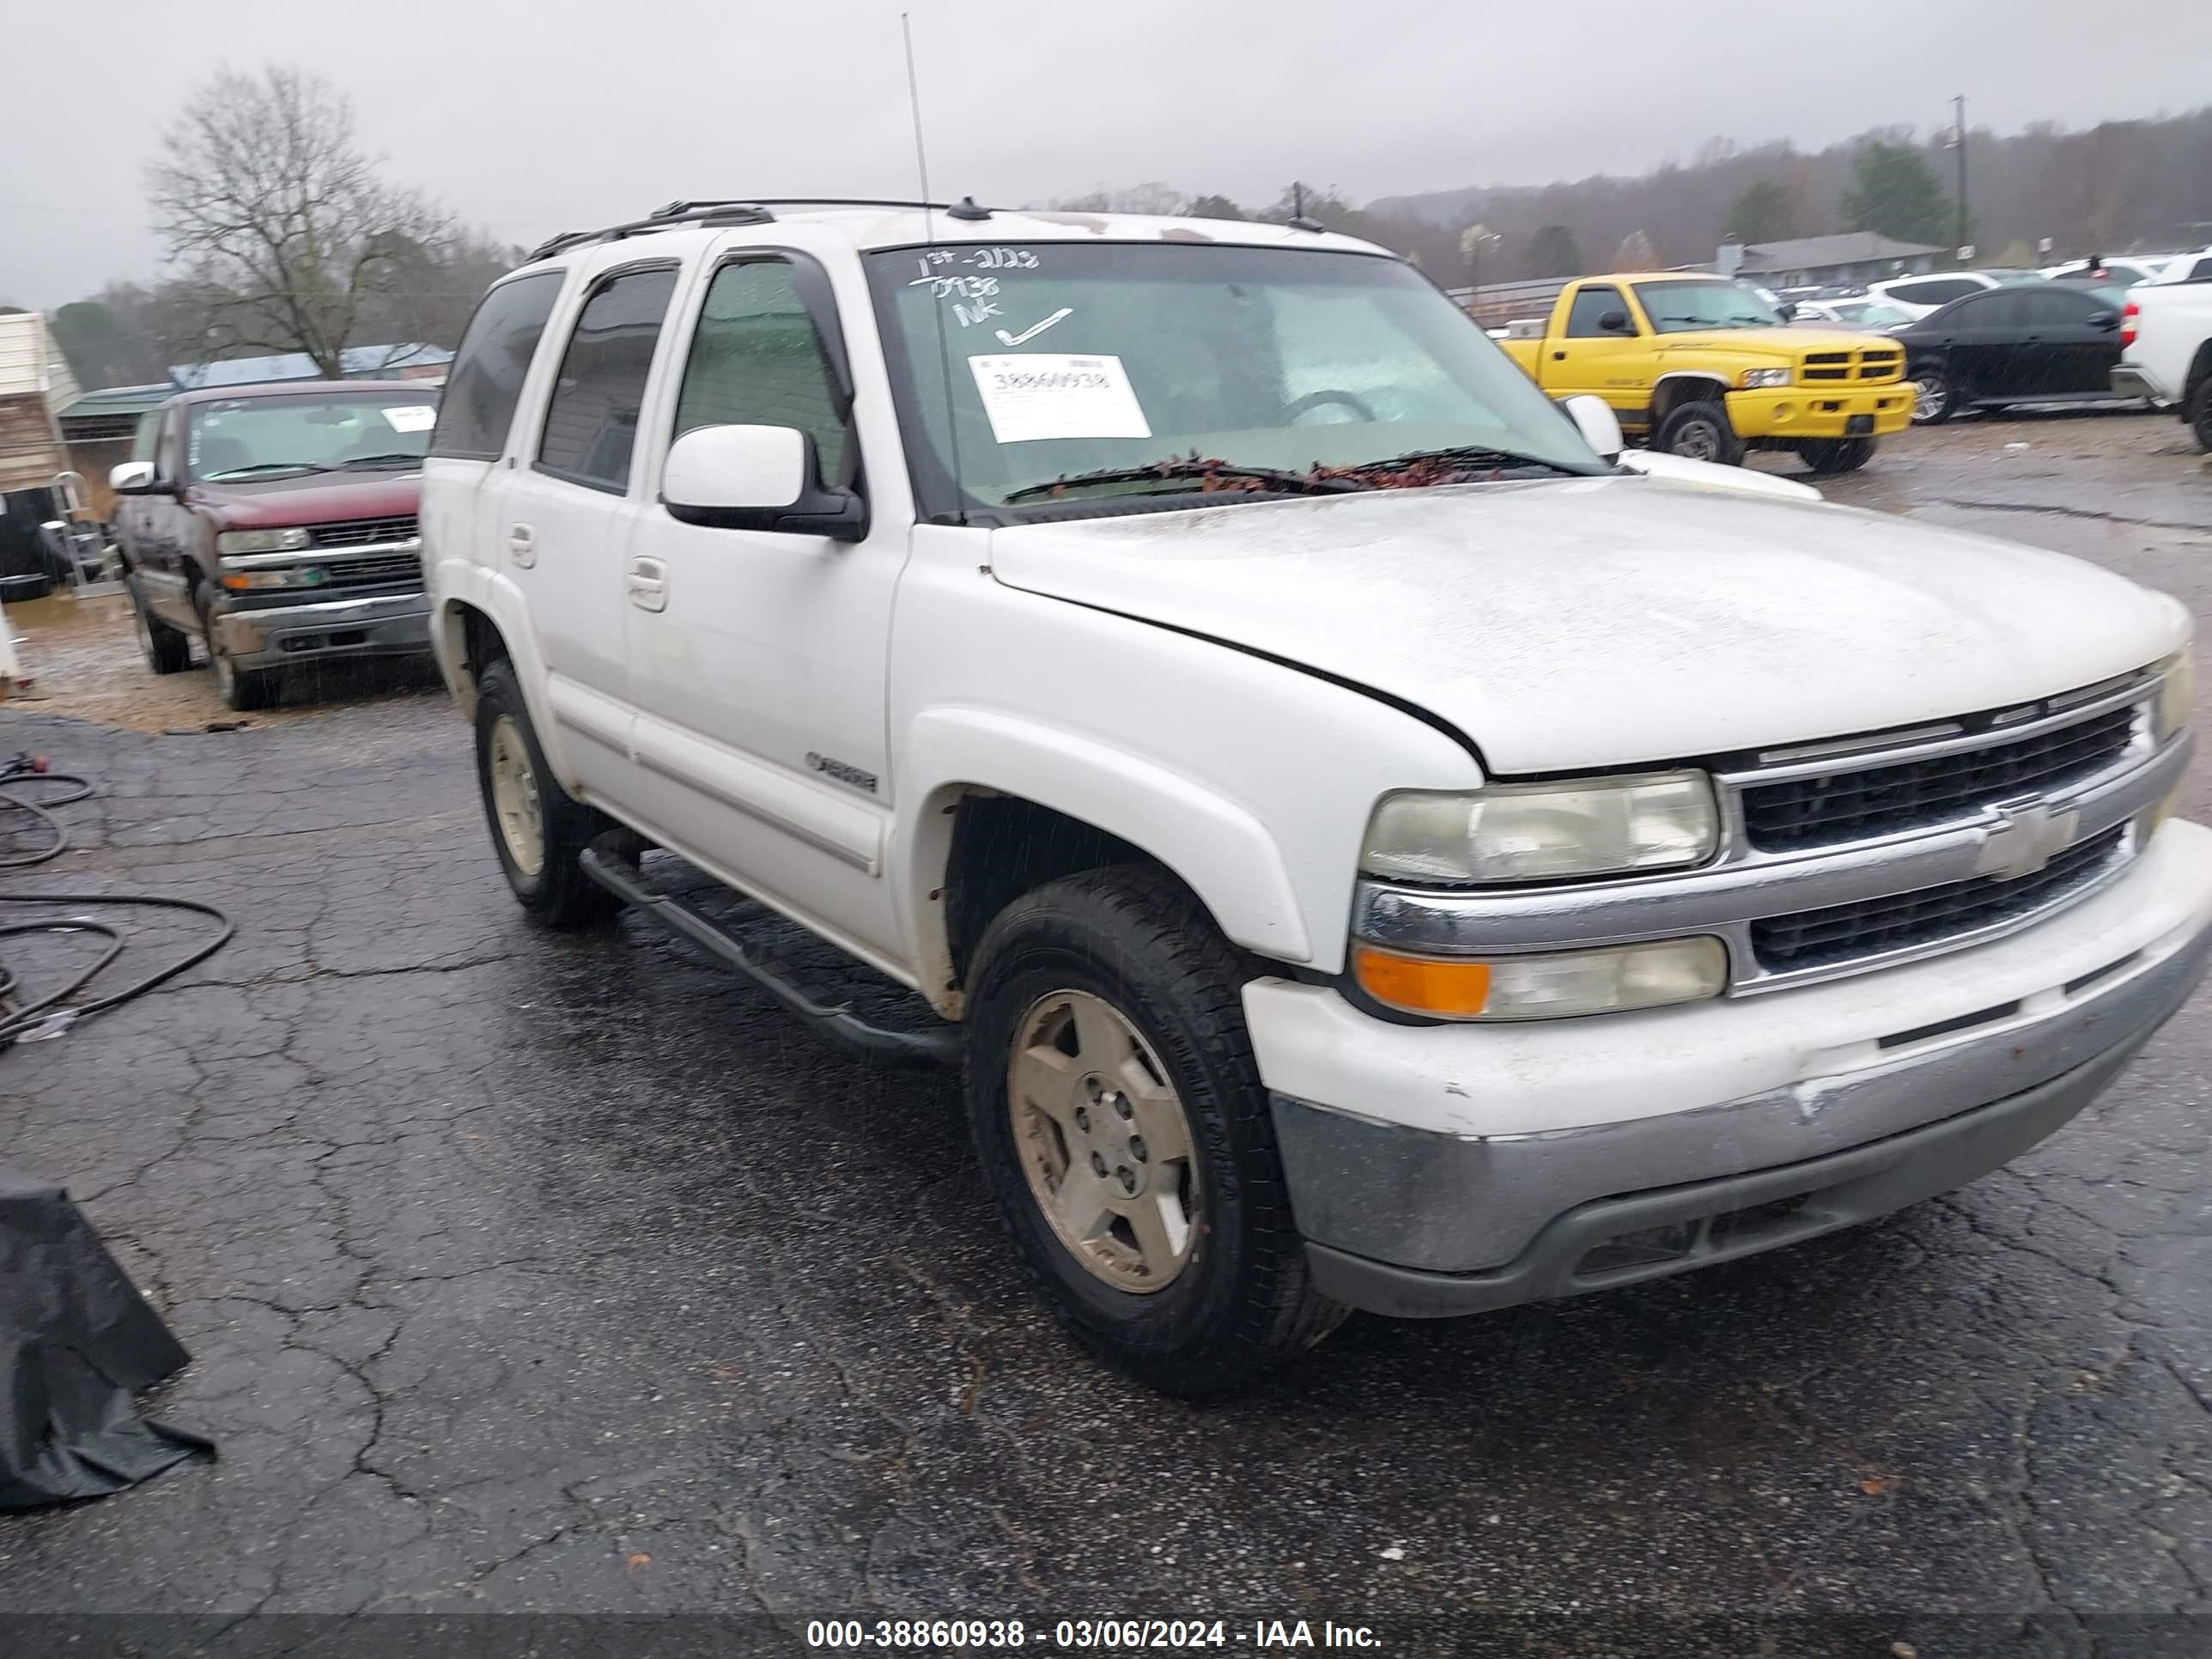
2026,835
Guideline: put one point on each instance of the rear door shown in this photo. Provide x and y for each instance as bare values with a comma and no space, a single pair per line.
564,521
1600,348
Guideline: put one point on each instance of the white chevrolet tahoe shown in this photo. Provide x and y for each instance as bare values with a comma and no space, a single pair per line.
1366,849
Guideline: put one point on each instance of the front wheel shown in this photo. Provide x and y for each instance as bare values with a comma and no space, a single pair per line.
2200,415
167,650
243,689
1119,1118
1699,431
1828,457
538,829
1934,398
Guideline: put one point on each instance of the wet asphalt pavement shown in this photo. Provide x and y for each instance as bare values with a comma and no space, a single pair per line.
528,1273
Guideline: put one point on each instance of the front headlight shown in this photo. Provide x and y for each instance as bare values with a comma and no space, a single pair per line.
261,541
2177,694
1758,377
1552,985
1517,832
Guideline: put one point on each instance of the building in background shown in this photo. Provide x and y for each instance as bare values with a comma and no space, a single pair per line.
1853,258
35,385
410,361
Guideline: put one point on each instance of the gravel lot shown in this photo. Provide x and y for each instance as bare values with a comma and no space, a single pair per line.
557,1275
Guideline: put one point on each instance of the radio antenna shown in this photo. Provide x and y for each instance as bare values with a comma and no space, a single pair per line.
937,303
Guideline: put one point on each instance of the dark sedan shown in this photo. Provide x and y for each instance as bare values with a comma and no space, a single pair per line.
2030,343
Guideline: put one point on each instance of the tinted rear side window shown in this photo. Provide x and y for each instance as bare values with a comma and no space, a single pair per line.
486,380
591,424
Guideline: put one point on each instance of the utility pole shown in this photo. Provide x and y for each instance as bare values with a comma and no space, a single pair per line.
1959,133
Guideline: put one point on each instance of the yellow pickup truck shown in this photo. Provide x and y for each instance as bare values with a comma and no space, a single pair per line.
1700,366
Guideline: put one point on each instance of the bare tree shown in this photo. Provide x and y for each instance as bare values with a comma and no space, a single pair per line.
278,219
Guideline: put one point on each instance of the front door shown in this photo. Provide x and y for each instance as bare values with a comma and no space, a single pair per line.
756,659
155,524
563,524
1601,351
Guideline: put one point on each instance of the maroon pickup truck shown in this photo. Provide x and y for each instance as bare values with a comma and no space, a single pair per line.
276,523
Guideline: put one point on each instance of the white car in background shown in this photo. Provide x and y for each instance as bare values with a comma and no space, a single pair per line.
2184,268
2123,272
1922,296
1864,311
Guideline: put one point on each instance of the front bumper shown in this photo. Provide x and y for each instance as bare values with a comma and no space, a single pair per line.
2131,381
1788,413
391,625
1447,1170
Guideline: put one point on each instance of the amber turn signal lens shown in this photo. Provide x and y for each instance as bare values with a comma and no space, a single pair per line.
1421,984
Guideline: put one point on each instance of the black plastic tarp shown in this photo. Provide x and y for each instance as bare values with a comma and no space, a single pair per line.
77,1339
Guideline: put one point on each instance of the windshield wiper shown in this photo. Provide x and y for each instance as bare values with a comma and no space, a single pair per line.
396,458
266,467
1236,480
1437,465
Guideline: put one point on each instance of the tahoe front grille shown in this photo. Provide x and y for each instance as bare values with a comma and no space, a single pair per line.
377,570
1882,799
363,533
1874,928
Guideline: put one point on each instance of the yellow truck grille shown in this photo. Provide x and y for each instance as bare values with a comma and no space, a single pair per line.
1867,364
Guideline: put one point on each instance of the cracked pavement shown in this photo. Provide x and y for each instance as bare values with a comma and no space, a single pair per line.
528,1273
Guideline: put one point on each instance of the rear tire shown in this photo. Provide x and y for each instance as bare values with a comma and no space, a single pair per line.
168,650
538,829
1177,1261
2200,414
1699,431
1934,398
1828,458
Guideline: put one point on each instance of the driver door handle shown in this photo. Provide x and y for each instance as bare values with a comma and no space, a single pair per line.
648,582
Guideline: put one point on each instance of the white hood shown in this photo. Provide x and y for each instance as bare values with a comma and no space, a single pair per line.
1613,622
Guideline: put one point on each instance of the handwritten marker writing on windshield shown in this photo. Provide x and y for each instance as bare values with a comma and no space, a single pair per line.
1029,334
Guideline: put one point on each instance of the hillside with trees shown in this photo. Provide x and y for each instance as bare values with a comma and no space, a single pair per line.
2119,185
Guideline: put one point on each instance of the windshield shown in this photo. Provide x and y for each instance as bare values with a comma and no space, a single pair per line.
269,437
1279,367
1678,307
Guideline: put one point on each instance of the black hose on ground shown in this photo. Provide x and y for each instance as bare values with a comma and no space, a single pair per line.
19,1019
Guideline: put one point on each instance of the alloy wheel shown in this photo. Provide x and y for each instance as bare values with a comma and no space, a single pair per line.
515,797
1105,1141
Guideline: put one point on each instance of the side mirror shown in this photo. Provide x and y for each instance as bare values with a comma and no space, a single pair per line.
1599,427
132,478
1787,311
2107,320
757,477
1613,322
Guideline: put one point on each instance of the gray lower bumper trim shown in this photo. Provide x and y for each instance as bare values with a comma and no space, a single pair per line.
269,636
1678,1223
1463,1204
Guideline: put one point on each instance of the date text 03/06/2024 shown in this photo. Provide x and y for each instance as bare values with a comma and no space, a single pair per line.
1258,1636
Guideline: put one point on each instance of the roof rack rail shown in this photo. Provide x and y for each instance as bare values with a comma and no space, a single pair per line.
752,210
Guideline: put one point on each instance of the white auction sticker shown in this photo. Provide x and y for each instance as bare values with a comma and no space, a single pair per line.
411,417
1052,395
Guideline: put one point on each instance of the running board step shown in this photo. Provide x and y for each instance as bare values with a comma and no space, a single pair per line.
876,1045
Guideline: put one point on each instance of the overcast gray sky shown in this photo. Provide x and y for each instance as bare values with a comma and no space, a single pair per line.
533,115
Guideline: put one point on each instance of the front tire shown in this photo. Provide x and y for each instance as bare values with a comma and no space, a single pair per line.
244,690
1935,397
538,828
1829,458
2200,414
1699,431
1120,1118
167,650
